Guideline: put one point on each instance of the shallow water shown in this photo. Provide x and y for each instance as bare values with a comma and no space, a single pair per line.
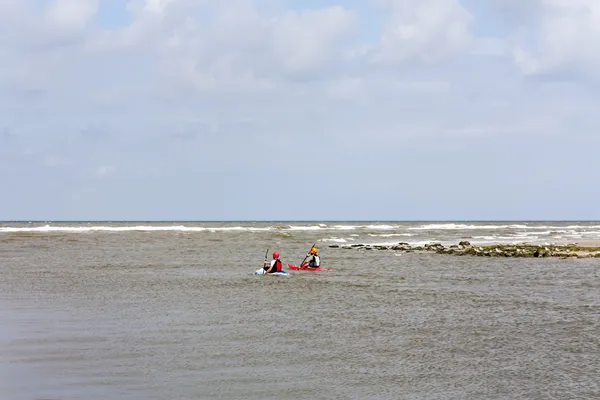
179,315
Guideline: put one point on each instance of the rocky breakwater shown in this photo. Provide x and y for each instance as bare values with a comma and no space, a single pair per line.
464,248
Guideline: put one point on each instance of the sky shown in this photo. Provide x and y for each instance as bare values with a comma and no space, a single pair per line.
299,110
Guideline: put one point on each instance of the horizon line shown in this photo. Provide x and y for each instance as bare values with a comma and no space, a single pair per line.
295,220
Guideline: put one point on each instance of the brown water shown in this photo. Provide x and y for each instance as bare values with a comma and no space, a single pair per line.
178,315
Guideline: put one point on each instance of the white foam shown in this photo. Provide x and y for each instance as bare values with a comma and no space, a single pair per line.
305,228
513,232
390,234
182,228
143,228
366,227
345,227
485,237
335,239
155,228
513,226
410,243
381,227
465,227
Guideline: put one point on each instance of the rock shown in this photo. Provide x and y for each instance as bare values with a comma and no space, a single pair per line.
465,248
470,251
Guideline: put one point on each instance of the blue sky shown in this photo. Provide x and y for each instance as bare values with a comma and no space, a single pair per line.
282,109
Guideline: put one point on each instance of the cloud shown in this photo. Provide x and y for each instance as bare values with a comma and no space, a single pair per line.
56,162
249,51
556,38
368,100
428,30
105,170
70,15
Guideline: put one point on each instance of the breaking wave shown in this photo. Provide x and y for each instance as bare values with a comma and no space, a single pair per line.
337,232
139,228
515,226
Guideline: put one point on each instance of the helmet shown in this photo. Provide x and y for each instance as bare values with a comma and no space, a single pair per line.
314,250
275,254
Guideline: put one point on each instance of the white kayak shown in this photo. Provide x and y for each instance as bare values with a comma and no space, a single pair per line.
262,272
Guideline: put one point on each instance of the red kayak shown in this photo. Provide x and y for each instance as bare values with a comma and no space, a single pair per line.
305,268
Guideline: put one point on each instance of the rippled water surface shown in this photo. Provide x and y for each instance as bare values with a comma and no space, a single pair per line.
177,314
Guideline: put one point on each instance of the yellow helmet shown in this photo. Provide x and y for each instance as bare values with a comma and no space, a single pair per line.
314,250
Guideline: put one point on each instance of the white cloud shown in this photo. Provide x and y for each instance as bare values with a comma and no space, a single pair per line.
216,47
70,15
490,46
306,43
560,39
157,6
11,13
427,30
247,50
56,162
105,170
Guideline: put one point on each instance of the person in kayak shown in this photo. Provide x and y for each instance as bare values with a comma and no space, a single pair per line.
313,261
274,265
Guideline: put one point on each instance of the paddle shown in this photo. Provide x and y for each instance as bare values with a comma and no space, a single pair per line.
266,254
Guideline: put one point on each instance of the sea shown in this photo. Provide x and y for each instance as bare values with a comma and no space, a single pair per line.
173,310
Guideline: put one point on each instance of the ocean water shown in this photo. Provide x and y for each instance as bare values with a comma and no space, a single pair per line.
171,310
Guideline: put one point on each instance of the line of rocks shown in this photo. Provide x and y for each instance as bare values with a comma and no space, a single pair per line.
465,248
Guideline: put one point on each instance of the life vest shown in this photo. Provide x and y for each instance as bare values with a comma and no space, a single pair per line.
313,261
276,268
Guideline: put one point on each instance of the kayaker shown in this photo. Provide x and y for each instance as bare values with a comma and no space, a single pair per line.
313,260
274,265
